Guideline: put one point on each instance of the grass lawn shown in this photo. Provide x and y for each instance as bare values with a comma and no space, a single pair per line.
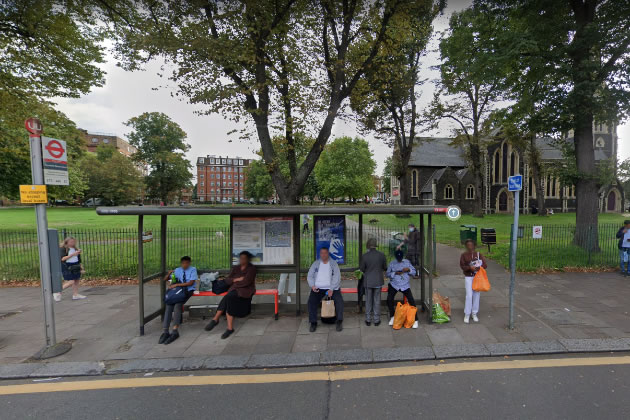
78,217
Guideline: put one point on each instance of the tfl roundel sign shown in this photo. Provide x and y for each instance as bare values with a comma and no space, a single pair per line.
55,161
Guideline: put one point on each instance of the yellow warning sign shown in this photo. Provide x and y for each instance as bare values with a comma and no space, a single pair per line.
33,194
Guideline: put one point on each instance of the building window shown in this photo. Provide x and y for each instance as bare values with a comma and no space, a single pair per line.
241,176
414,183
504,163
229,161
513,163
223,176
200,176
94,140
600,143
212,161
211,176
223,161
202,183
201,191
497,167
470,192
448,192
240,162
229,176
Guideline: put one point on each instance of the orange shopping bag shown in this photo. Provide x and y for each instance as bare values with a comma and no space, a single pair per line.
480,281
411,316
400,316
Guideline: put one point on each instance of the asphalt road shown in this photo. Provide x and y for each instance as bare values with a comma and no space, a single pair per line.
569,392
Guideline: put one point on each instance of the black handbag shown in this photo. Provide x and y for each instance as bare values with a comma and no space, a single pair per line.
219,286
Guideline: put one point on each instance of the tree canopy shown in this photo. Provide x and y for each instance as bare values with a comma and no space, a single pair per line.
258,184
160,144
345,169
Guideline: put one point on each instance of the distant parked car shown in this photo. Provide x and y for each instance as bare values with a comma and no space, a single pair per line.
95,202
226,201
377,201
243,201
396,239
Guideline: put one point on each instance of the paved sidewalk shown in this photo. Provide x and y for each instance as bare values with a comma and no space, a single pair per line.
554,313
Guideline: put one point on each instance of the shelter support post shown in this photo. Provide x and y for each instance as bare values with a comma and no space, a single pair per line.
163,259
297,262
430,264
423,293
140,274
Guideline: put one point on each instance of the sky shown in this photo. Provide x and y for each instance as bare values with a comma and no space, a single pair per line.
129,94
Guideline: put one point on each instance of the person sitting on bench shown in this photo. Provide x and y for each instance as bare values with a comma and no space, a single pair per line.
398,273
324,278
185,277
238,301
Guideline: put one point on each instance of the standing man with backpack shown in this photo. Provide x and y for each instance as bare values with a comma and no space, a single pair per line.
624,248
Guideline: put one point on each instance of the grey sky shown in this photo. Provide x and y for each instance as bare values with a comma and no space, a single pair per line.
128,94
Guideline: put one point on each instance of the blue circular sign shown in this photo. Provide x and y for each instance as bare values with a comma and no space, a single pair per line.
453,213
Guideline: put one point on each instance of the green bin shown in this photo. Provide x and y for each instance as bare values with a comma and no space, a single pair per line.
468,232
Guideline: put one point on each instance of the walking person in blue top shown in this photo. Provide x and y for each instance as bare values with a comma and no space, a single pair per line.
624,247
398,273
185,277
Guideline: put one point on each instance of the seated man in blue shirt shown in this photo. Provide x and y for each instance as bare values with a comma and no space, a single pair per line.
398,273
185,277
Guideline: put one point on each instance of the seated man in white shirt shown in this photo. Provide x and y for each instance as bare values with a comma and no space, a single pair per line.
324,278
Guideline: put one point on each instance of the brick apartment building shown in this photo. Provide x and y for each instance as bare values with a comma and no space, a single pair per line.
220,177
94,139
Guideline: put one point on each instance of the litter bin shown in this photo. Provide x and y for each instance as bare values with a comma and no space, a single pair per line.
488,237
468,232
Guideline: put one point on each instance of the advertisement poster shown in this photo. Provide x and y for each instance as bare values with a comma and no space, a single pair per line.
330,232
268,239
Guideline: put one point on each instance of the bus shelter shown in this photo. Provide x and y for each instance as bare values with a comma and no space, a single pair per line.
281,259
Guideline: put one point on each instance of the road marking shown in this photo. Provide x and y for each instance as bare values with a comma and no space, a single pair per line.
266,378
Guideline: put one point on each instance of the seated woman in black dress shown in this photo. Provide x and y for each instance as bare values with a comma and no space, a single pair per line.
238,301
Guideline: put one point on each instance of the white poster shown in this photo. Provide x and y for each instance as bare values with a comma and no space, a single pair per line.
537,232
55,161
268,239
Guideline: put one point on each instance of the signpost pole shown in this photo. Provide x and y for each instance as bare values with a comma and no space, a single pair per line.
34,127
515,186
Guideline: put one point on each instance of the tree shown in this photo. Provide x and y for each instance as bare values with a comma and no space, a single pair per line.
585,46
285,66
385,97
345,169
387,175
258,184
469,86
160,144
47,51
113,177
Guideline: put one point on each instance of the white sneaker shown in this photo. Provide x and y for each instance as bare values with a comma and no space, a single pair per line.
415,325
57,297
78,297
466,319
391,321
475,318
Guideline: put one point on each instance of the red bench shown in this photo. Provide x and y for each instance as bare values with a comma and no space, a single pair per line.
273,292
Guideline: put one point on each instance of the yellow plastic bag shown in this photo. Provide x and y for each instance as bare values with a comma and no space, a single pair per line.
480,281
411,316
400,316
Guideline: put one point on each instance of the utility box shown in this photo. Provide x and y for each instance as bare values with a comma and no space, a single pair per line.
488,237
468,232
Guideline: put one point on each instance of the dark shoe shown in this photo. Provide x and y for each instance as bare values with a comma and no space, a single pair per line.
211,325
164,337
174,336
376,324
339,326
226,334
368,323
313,327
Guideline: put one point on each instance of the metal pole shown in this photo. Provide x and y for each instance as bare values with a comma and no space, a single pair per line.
513,256
423,294
297,262
163,256
140,275
430,248
360,238
37,173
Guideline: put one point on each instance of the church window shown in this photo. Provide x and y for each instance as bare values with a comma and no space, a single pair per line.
470,192
414,183
448,192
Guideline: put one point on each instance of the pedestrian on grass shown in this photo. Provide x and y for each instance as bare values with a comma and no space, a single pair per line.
183,277
324,278
305,220
624,247
398,273
373,264
470,262
238,300
412,240
71,268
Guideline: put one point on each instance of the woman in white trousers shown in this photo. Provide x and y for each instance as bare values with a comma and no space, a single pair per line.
470,261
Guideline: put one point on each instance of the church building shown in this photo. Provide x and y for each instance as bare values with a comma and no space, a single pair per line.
438,175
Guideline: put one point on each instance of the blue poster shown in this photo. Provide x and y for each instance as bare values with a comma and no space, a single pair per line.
330,232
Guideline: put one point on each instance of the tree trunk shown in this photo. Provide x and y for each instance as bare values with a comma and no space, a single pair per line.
534,160
403,191
477,170
587,188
